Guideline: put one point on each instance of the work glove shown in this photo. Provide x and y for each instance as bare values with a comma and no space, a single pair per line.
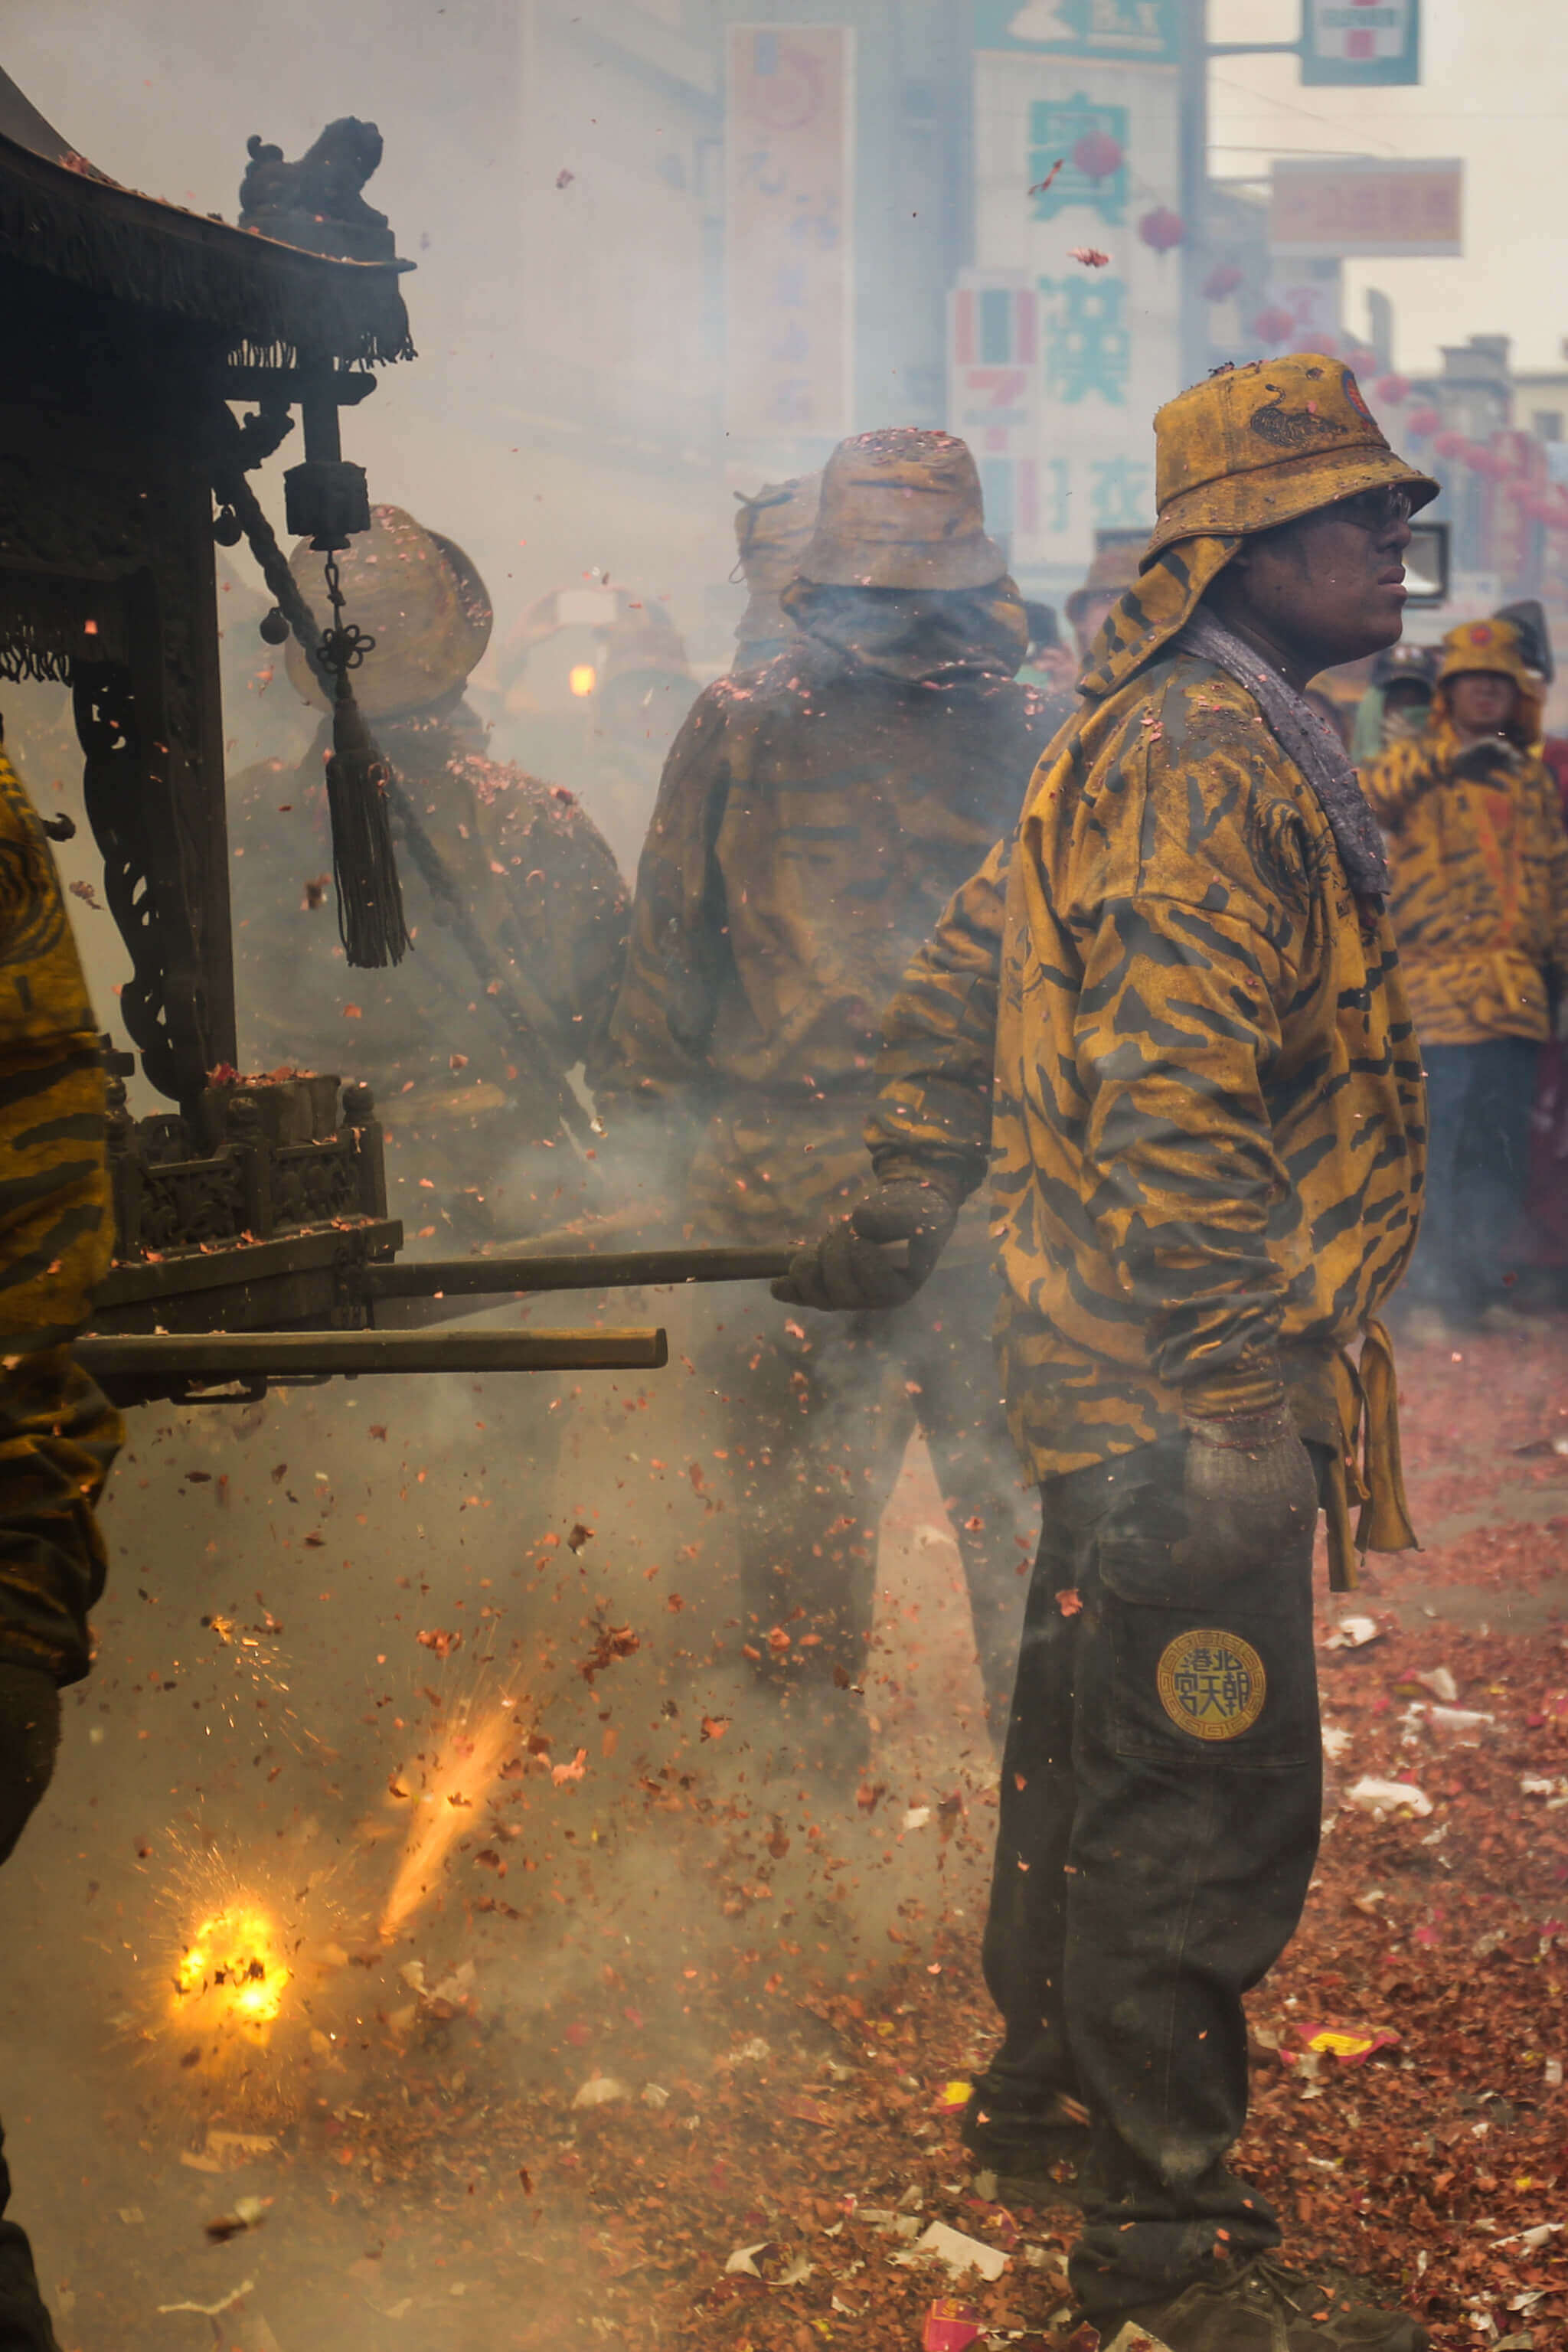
849,1268
1251,1491
29,1735
1482,760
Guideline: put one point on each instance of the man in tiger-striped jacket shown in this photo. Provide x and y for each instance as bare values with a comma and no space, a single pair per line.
1172,1010
58,1434
812,819
1478,854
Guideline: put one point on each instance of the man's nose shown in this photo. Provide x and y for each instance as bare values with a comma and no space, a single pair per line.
1399,536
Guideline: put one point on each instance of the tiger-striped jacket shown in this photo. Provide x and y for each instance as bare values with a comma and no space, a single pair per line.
812,822
58,1434
1480,860
1207,1132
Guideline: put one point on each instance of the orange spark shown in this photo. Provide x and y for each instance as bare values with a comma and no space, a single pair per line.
444,1810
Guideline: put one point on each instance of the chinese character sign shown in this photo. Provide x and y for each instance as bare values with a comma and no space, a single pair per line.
1146,30
1088,345
1361,41
994,341
1056,182
787,228
1101,349
1407,205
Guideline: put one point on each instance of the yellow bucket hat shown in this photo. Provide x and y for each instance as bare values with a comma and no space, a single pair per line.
1485,645
418,595
1257,446
902,508
1248,449
773,531
1498,648
774,528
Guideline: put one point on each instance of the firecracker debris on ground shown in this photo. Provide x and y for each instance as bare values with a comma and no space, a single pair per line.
745,2149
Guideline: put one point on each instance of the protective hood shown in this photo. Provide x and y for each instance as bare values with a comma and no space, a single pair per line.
1156,608
919,636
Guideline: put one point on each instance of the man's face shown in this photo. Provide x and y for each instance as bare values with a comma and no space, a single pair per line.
1331,585
1481,702
1406,694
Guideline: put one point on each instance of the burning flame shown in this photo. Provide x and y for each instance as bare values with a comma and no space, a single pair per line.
445,1811
233,1957
583,677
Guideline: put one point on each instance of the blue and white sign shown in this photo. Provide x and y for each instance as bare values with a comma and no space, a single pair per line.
1065,331
1360,42
1141,32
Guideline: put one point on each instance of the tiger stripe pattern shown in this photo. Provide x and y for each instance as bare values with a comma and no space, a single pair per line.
1478,857
1204,1107
58,1433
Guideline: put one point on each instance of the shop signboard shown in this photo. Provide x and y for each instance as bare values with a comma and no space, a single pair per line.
1410,208
1144,31
1065,334
1365,43
789,215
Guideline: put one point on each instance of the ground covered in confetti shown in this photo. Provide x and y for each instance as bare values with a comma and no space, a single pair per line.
672,2057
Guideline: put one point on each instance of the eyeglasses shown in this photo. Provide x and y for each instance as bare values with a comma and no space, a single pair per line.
1380,509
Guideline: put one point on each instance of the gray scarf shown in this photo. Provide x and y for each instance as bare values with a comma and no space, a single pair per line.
1309,740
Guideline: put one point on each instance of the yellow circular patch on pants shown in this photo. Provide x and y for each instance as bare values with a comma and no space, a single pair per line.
1211,1683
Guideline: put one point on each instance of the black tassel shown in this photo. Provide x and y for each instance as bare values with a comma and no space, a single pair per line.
365,867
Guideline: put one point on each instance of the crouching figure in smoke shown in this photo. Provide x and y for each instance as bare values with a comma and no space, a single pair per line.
58,1433
814,818
1206,1133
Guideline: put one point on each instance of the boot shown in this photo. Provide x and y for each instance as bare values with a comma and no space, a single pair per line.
1038,2159
1265,2308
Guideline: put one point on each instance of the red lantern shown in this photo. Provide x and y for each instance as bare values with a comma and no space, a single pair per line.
1421,422
1097,154
1449,445
1273,326
1393,387
1162,228
1223,280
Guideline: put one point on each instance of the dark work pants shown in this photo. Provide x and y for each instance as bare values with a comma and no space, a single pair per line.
819,1411
23,2322
1479,1101
1146,1876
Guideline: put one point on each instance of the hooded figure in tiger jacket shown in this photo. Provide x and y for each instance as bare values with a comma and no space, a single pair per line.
814,818
1170,1009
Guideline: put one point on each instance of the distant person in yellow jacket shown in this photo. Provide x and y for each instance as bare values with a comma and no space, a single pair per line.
1478,857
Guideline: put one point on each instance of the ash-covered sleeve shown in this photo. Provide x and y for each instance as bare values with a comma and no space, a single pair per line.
1397,778
656,1044
937,1054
